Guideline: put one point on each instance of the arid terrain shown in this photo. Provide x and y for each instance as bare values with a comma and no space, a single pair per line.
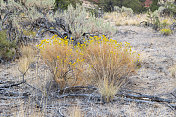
154,77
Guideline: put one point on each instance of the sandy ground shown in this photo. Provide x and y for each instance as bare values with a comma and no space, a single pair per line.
158,55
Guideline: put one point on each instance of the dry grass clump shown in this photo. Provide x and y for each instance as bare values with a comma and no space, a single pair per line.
28,51
76,112
107,89
122,18
23,64
103,62
125,19
28,57
172,70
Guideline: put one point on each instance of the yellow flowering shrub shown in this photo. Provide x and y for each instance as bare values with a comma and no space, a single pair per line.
65,63
166,31
165,23
95,60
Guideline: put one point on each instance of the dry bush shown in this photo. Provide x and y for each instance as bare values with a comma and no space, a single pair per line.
110,59
111,63
100,61
65,64
28,57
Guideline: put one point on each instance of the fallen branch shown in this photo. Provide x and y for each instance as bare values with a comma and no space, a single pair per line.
11,85
146,97
172,106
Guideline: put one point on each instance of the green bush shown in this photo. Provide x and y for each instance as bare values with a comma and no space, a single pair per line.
135,5
63,4
109,5
80,21
7,48
154,6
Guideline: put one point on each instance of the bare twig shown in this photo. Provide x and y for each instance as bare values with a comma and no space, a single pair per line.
146,97
12,85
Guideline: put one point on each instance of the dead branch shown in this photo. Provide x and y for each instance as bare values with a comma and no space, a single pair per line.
146,97
11,85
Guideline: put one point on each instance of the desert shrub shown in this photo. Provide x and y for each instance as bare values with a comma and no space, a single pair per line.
64,63
97,59
117,9
153,19
129,11
168,8
19,15
111,63
109,5
161,10
166,31
154,6
63,4
80,22
7,48
110,59
135,5
165,23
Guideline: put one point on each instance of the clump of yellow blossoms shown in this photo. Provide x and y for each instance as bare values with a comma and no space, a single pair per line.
91,60
166,31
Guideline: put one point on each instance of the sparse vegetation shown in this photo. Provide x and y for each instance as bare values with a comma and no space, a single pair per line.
28,54
76,112
172,70
108,61
166,31
83,22
76,69
7,48
108,89
123,18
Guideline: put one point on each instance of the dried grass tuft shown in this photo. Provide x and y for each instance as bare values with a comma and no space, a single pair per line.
76,112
